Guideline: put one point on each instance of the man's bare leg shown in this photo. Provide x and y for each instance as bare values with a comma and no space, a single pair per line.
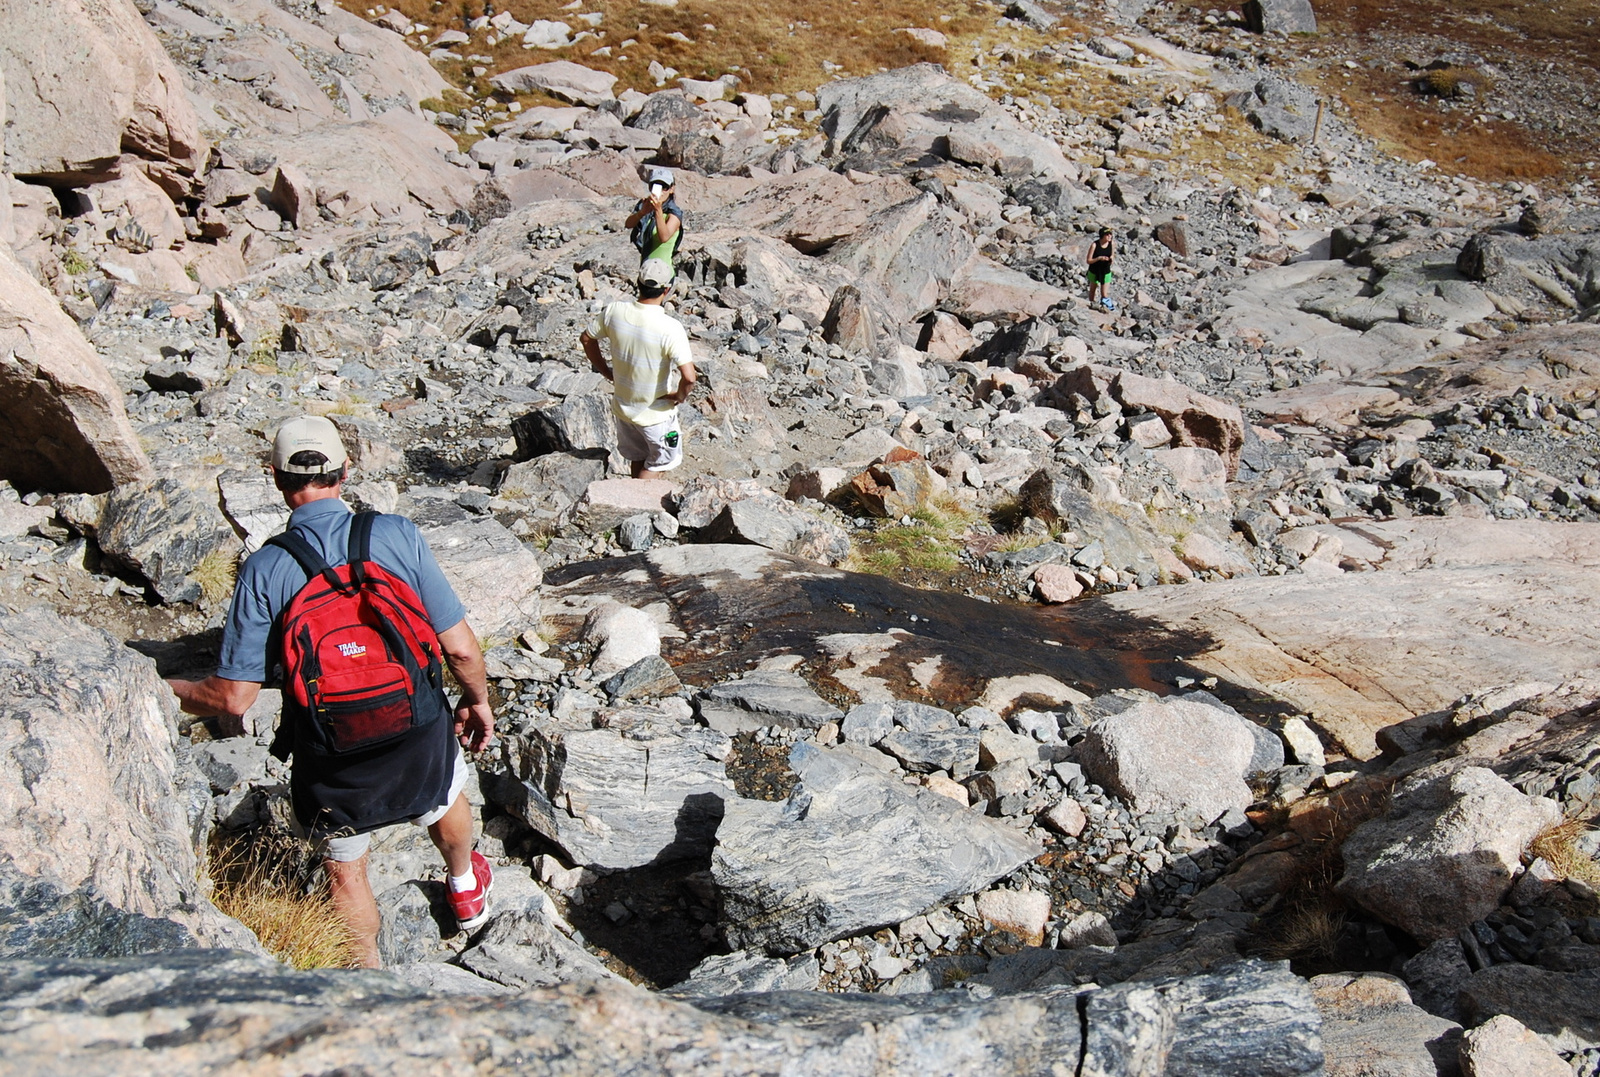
453,836
351,893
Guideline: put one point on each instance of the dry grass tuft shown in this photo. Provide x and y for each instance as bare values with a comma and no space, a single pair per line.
216,574
1558,845
258,880
1306,932
770,49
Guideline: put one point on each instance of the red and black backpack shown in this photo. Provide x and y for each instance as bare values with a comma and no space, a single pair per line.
363,691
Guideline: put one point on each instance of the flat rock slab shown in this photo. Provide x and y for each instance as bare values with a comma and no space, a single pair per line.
1457,606
765,697
1254,1018
851,849
622,801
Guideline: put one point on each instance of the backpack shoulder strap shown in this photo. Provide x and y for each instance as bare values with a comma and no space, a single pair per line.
309,560
360,548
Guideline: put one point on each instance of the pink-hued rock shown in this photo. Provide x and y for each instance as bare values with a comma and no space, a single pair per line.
1066,816
1056,583
1172,755
1195,471
1194,418
562,78
1201,551
1504,1047
144,201
101,84
1021,912
616,499
65,428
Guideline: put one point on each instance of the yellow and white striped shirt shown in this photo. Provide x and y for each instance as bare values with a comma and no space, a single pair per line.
646,346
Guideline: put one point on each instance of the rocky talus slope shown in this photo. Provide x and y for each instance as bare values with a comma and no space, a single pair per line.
1003,685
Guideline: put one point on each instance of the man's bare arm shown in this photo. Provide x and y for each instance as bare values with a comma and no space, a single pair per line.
687,376
474,719
217,697
597,361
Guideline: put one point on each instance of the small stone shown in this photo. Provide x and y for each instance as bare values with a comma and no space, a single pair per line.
1304,745
1021,912
1066,816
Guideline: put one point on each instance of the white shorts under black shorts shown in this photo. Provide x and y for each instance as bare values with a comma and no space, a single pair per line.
354,846
658,447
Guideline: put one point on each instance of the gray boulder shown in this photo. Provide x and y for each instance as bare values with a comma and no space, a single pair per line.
765,697
575,424
780,525
851,849
1445,853
867,723
532,947
1253,1019
1564,1006
953,750
743,972
230,763
101,800
1172,755
1280,16
1249,1020
617,800
415,919
39,920
166,529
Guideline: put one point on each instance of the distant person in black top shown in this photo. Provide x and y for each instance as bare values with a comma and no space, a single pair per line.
1101,252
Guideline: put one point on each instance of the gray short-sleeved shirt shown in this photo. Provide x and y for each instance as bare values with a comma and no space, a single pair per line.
271,577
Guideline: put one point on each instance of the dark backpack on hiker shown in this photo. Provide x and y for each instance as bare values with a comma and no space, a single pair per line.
364,709
644,233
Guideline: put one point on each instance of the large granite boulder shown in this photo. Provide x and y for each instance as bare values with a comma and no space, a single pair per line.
1253,1019
101,86
851,849
921,110
620,800
92,793
1172,755
1445,853
494,575
65,428
166,530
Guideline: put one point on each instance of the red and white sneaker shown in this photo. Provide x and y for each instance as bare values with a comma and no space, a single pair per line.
471,907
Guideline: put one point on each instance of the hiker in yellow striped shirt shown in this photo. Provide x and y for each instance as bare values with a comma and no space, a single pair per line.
649,353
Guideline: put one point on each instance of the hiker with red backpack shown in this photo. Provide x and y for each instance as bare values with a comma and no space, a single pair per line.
356,612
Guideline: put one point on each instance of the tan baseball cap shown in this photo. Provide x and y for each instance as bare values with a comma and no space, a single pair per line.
308,433
656,272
